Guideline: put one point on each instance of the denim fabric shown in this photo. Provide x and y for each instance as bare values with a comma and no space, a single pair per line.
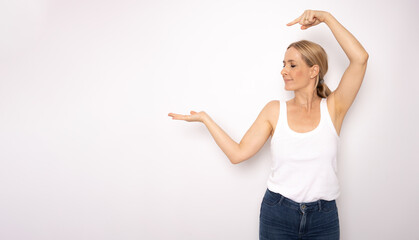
282,218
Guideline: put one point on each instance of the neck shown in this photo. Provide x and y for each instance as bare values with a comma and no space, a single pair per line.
305,101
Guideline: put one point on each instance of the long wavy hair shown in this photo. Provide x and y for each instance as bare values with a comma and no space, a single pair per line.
313,54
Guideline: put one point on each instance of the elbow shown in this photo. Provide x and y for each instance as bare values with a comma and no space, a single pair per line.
238,160
235,161
361,58
365,57
236,157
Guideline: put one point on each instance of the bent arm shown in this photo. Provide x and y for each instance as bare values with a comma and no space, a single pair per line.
227,145
252,141
258,133
350,45
351,81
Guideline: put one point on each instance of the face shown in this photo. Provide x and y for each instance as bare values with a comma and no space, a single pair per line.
296,73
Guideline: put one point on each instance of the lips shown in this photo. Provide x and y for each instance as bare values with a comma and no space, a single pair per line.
287,80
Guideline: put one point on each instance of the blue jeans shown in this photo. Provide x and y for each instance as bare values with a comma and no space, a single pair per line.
282,218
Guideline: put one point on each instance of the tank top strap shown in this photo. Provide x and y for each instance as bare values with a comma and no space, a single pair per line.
323,109
282,120
327,118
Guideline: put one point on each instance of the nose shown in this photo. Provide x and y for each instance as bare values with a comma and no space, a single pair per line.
284,71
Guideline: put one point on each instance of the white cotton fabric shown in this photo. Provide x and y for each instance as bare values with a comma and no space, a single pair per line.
304,166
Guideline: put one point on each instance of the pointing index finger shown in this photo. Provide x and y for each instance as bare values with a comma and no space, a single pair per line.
294,22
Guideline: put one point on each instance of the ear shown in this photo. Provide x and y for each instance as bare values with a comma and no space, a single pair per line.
314,71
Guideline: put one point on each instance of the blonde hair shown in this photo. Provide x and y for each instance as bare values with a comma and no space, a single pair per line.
313,54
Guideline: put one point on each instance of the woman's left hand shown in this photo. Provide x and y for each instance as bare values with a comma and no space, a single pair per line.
310,18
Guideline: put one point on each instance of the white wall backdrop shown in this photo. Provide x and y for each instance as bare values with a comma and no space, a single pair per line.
88,151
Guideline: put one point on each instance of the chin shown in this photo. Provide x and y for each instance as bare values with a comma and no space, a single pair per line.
288,89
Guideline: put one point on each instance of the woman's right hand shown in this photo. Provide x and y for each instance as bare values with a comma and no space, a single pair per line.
310,18
194,117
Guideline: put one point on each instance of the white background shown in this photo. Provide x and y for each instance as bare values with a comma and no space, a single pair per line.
88,151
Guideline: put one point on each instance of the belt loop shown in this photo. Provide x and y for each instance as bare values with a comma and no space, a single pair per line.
320,205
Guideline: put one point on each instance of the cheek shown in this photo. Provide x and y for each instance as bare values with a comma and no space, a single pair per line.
299,74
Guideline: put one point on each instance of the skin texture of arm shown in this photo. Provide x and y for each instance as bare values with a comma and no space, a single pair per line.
353,76
252,141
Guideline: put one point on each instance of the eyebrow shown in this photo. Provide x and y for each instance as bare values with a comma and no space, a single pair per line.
289,61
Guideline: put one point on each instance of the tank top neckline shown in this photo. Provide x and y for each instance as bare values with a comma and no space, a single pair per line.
303,133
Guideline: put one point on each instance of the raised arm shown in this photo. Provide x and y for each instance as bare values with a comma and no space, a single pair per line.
351,81
353,76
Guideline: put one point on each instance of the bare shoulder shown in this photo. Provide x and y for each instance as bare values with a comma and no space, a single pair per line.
272,104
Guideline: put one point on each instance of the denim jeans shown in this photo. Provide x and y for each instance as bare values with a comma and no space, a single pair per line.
282,218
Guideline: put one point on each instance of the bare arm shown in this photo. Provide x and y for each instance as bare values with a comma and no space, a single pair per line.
351,81
350,45
228,145
252,141
258,133
223,140
353,76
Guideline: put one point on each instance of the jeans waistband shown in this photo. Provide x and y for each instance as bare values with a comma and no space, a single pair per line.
306,206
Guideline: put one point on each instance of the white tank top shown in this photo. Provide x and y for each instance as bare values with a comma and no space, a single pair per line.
304,166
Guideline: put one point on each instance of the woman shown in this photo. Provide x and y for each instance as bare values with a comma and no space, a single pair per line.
299,202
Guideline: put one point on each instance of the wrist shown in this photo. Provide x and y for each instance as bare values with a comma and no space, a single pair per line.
327,17
205,118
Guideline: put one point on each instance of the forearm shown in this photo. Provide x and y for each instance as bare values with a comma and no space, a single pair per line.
227,145
350,45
